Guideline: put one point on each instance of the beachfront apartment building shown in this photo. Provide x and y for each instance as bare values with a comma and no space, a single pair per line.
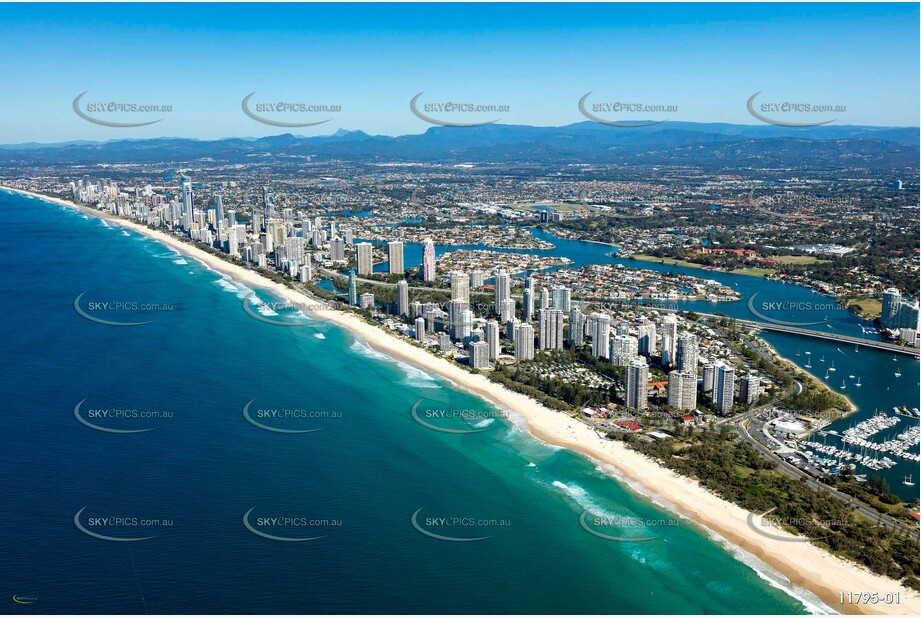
682,390
600,328
551,329
624,349
403,298
637,384
524,342
492,338
479,355
724,387
576,327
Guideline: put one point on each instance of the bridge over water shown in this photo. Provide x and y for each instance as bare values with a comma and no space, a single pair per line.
857,341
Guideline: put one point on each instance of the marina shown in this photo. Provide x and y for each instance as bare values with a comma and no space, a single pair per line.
872,455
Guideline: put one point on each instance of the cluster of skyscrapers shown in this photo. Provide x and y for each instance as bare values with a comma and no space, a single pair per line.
291,240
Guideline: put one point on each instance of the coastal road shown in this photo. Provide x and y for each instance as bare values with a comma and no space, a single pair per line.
742,422
795,473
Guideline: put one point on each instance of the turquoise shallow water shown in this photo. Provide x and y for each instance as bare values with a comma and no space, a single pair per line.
187,483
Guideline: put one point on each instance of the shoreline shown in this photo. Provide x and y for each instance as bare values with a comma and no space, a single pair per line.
804,565
815,381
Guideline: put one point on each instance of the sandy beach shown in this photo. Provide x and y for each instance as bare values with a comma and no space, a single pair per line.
802,563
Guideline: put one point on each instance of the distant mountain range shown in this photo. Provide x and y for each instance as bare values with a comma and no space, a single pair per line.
588,142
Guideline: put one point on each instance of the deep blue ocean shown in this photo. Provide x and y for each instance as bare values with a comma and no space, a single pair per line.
184,487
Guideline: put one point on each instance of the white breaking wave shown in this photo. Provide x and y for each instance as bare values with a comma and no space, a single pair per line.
265,310
225,285
775,579
319,335
366,350
414,376
583,499
812,603
486,422
180,261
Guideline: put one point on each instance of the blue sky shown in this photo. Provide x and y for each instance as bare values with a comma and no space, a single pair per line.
372,59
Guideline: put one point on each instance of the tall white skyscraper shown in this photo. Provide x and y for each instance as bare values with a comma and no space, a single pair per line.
561,298
507,309
749,388
218,210
503,288
511,327
524,342
544,298
551,329
294,249
456,309
528,304
353,288
682,390
268,202
186,187
637,384
365,259
306,271
686,353
479,355
709,372
460,286
336,248
669,339
892,299
724,387
403,297
395,257
428,260
646,337
600,329
465,325
624,349
492,338
420,328
576,327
